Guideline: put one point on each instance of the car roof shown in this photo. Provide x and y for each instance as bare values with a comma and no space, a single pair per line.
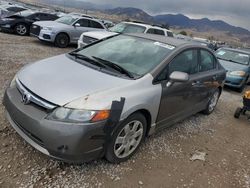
147,25
247,51
74,15
160,38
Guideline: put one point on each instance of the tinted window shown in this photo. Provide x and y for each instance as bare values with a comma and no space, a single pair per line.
207,61
47,17
186,62
156,31
15,9
96,25
159,32
83,22
170,34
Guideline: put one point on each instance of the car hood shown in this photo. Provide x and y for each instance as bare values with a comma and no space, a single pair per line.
61,80
52,24
230,66
99,34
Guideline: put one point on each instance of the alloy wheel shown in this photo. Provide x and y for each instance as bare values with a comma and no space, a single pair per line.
128,139
21,29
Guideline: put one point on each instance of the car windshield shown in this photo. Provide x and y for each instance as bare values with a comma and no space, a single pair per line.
68,20
137,56
233,56
127,28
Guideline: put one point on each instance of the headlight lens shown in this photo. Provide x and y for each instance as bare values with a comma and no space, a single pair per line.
78,116
238,73
47,29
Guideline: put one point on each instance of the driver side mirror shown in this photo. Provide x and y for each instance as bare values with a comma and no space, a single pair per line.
77,25
177,76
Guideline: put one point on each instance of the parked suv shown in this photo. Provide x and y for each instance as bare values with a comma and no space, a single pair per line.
20,22
104,99
123,27
66,30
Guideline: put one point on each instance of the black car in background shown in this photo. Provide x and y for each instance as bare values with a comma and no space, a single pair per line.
20,23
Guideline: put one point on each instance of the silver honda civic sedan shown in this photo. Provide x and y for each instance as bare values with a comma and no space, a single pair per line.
104,99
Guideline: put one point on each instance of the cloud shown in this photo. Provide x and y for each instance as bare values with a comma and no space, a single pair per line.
235,12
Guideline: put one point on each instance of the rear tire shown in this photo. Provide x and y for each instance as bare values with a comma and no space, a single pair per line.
21,29
126,139
62,40
237,113
212,103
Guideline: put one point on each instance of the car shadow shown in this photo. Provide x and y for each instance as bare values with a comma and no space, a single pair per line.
49,44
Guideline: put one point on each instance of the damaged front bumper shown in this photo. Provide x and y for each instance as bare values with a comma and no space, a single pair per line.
70,142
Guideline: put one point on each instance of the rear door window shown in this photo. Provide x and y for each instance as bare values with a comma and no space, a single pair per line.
170,34
207,61
156,31
95,24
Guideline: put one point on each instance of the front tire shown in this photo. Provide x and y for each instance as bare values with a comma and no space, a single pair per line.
126,139
212,103
62,40
21,29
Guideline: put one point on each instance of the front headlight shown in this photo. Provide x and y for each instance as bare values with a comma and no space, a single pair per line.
47,28
238,73
78,116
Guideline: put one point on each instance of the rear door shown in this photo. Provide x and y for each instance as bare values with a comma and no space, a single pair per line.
209,74
181,99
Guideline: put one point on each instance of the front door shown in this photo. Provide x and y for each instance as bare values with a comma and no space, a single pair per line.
78,30
180,100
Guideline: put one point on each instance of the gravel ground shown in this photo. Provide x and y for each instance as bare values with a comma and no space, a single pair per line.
162,161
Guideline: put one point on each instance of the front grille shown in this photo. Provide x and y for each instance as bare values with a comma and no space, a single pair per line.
33,98
35,30
88,40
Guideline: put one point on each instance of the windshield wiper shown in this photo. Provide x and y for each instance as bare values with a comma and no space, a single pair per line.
114,66
88,59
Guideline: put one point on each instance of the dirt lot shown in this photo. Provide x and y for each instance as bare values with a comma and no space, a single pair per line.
163,161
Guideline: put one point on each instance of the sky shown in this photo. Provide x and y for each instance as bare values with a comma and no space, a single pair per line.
235,12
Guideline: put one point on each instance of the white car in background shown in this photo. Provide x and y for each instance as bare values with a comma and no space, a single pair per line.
123,27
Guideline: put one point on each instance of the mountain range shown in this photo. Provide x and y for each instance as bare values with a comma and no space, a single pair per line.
179,20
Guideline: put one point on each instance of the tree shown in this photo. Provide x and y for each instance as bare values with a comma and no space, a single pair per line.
183,33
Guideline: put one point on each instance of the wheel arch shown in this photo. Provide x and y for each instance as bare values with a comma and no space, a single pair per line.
146,113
